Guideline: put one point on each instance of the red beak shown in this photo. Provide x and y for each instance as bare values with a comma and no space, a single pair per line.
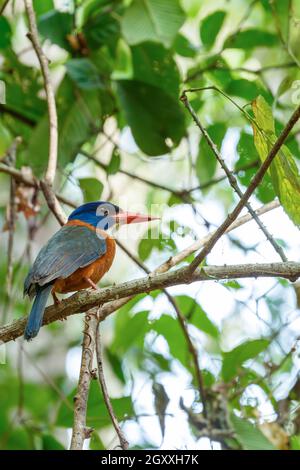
132,218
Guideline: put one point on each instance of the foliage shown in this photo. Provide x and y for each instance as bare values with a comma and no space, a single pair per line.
119,68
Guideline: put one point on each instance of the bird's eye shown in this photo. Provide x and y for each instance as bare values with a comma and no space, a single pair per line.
105,212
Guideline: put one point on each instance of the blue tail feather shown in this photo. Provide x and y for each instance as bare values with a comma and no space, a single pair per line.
37,312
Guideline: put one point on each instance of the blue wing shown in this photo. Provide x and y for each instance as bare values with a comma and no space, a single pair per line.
71,248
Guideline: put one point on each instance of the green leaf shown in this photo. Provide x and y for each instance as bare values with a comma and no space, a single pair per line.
234,359
116,364
97,414
250,38
84,73
152,20
248,154
283,171
282,13
295,442
91,188
123,64
56,26
211,26
95,442
196,315
155,240
169,328
156,120
182,46
78,115
153,64
114,164
50,443
246,89
101,28
249,436
136,329
5,139
206,163
42,7
5,32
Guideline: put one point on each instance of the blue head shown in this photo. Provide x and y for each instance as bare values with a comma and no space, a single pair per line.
99,214
104,215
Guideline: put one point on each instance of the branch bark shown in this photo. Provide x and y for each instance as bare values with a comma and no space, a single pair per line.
80,430
123,441
85,300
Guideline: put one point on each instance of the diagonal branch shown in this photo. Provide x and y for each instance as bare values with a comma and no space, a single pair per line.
250,190
232,179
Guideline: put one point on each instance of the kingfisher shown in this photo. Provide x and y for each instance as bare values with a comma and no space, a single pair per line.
76,257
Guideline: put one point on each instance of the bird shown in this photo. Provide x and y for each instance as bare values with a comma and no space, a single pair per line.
76,257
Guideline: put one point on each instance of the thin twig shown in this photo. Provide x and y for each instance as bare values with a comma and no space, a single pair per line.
80,430
3,7
30,181
47,183
232,179
53,132
251,188
123,441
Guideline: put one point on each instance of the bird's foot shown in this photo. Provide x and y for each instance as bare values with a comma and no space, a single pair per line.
55,299
91,283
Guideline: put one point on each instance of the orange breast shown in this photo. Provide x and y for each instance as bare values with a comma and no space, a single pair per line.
94,271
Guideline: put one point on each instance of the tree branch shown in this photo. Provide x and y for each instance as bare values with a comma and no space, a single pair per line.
47,184
251,188
85,300
123,441
232,179
21,177
80,430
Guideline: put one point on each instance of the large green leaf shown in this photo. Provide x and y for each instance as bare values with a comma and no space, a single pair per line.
184,47
92,189
152,20
84,73
246,89
78,114
101,27
156,119
206,163
153,64
234,359
249,436
136,328
56,26
283,171
196,315
43,7
5,32
250,38
211,26
170,329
